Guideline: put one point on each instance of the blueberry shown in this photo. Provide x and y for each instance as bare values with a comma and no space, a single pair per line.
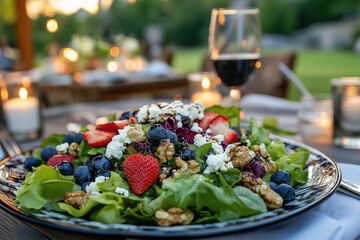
272,185
183,141
88,163
187,154
186,121
65,168
134,113
78,138
125,116
31,162
286,191
237,131
171,136
84,185
155,134
280,176
69,138
104,174
82,174
47,153
101,163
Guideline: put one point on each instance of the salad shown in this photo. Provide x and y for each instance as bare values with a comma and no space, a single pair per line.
163,164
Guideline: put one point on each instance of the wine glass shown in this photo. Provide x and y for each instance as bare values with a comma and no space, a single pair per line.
234,45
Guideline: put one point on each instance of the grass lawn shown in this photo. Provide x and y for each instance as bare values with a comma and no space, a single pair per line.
314,67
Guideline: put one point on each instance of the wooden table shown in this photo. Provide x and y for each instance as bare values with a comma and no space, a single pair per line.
13,227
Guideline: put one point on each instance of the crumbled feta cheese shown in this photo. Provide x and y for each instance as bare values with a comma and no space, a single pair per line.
208,131
178,118
95,193
217,147
248,143
196,110
262,149
179,124
149,113
218,138
164,169
123,134
218,162
63,148
115,149
196,128
199,140
122,191
93,187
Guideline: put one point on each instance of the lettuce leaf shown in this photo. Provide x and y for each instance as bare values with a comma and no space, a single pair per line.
258,134
197,193
53,140
231,113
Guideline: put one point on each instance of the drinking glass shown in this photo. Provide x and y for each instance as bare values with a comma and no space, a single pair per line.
235,45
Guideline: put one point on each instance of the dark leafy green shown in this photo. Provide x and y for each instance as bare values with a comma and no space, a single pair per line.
231,113
201,151
53,140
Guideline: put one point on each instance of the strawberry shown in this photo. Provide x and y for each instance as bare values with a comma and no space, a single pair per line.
97,138
208,117
141,171
55,160
113,126
220,125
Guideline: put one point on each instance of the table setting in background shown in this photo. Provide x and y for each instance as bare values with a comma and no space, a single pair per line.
326,127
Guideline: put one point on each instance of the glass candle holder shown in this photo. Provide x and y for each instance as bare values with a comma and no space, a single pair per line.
21,106
346,97
203,88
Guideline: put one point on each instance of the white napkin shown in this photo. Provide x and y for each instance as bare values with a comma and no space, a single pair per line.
338,218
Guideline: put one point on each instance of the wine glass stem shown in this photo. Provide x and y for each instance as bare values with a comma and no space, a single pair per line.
235,95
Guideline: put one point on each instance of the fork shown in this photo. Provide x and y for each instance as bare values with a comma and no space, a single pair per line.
9,144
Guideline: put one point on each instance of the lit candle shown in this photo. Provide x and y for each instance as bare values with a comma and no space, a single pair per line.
22,114
208,98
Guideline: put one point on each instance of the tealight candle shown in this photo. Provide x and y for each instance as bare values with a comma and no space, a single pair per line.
208,98
22,114
207,93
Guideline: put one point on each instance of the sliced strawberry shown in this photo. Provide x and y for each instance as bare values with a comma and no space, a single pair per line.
208,117
132,119
141,171
220,125
97,138
55,160
113,126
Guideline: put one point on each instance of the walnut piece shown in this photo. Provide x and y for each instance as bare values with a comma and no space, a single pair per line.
169,174
173,216
165,151
265,158
191,166
240,156
74,149
271,198
137,134
77,199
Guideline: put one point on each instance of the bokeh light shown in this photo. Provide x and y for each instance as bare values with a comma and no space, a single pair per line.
52,25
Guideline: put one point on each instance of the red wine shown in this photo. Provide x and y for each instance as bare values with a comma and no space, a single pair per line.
234,69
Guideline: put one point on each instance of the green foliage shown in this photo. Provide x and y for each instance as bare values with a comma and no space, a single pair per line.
53,140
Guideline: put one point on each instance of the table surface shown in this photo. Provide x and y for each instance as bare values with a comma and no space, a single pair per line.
55,121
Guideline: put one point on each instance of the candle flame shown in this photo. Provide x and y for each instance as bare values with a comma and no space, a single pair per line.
23,93
214,53
112,66
221,19
205,83
71,54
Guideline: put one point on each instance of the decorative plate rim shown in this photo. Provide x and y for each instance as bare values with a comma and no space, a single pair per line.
163,232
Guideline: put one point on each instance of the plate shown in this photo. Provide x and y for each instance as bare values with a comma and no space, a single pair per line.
324,178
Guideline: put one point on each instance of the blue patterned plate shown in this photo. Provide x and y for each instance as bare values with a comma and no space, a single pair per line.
324,178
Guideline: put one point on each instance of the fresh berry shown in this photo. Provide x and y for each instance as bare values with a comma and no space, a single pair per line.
79,137
187,154
286,191
84,185
88,163
134,113
106,174
272,185
31,162
47,153
69,138
280,176
141,171
155,134
171,136
125,115
142,147
220,125
82,175
237,131
186,121
113,126
55,160
97,138
100,163
208,117
65,168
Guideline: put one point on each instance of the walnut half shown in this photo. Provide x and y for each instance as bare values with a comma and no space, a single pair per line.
191,166
240,156
265,158
77,199
173,216
165,151
74,149
137,134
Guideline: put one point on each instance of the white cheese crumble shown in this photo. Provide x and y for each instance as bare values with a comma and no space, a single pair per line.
179,124
208,131
63,148
196,128
217,147
122,191
199,140
218,162
219,138
117,146
123,134
93,188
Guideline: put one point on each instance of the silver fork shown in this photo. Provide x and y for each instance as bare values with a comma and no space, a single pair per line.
9,143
